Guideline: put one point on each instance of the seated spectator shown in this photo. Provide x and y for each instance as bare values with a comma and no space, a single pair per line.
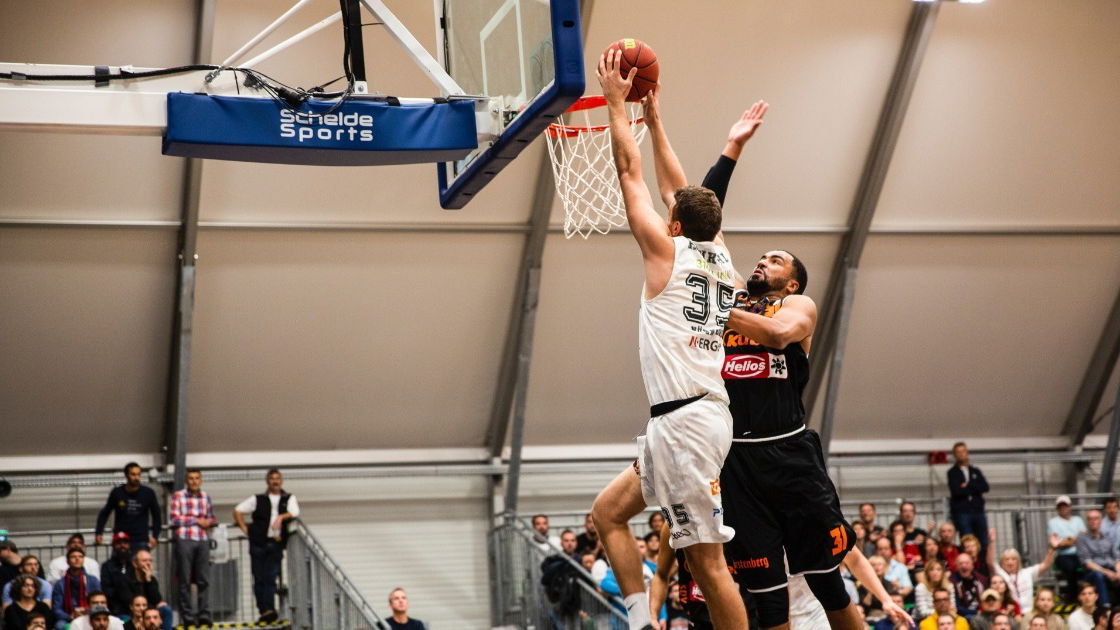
908,516
656,520
136,609
589,539
100,619
70,596
59,565
588,561
153,620
1111,522
569,544
97,601
1007,602
1067,527
908,553
115,570
25,602
867,516
943,608
1003,622
947,545
398,603
873,608
967,586
653,546
990,602
862,543
541,536
1082,618
1020,580
970,544
886,623
9,561
1097,553
896,575
931,551
1043,608
142,580
28,565
37,621
932,577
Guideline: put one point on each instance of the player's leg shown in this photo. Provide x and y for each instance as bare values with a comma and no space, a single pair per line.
709,569
619,502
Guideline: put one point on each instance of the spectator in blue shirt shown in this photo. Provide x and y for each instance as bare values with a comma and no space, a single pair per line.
1067,527
967,487
897,575
1097,553
70,595
1110,524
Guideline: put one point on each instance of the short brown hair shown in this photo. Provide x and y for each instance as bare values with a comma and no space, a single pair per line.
698,211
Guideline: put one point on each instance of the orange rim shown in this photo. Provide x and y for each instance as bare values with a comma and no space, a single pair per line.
557,130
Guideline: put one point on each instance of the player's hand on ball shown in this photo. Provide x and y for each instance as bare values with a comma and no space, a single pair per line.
748,123
651,106
615,86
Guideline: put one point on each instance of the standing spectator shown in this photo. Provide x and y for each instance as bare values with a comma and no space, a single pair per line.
97,602
946,543
989,608
398,603
942,604
967,586
967,487
1067,527
1111,522
115,570
1096,551
191,517
541,536
28,565
142,580
59,565
135,511
589,539
569,545
70,596
896,573
9,561
656,520
268,535
933,577
867,517
1020,580
136,609
25,602
1044,607
1082,618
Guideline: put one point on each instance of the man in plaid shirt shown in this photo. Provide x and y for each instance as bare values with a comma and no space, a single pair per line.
192,516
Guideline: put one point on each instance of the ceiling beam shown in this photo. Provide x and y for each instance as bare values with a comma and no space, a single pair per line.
923,16
1079,423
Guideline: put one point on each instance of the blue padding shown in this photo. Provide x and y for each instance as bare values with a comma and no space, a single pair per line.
565,90
359,133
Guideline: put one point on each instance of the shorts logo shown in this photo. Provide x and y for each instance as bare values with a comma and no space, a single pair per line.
716,512
681,534
752,563
715,486
760,365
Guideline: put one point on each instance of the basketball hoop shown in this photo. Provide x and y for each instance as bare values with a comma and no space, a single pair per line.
584,170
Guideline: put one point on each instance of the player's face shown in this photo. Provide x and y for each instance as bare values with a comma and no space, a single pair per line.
772,274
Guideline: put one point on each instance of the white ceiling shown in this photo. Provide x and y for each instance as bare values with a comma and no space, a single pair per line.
367,339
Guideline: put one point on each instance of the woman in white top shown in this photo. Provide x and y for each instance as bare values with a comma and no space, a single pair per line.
932,577
1021,580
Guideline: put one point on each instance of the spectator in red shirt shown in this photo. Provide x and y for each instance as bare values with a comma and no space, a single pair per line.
192,516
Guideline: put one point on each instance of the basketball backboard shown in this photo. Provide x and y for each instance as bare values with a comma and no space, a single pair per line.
526,58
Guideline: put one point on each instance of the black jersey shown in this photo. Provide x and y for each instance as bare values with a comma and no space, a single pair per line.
764,384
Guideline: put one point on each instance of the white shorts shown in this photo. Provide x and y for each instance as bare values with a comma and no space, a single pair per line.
682,453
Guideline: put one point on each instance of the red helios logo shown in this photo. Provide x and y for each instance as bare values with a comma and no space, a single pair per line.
746,366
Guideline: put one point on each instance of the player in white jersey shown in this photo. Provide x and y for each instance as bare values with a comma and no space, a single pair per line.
688,292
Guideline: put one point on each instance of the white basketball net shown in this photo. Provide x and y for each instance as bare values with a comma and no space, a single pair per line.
583,167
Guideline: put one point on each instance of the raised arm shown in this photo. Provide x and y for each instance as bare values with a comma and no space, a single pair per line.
670,175
649,228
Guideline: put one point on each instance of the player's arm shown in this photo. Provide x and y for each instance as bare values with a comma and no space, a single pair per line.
863,572
649,227
666,567
792,324
719,175
670,175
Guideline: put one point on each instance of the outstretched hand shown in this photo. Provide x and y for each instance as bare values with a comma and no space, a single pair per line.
748,123
651,105
615,86
897,613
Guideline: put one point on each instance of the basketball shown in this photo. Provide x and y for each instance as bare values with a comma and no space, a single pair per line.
637,54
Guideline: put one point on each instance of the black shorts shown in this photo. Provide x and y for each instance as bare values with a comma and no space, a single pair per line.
779,498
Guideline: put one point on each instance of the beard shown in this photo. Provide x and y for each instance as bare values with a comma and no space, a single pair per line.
758,286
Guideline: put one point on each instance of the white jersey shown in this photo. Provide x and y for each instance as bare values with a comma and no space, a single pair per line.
680,330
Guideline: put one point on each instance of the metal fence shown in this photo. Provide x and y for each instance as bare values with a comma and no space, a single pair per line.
521,600
320,596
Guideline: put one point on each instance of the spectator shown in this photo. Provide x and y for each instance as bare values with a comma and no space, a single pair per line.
967,586
989,607
908,516
873,608
153,620
931,551
100,619
1114,623
1111,522
1007,602
656,520
946,545
569,544
135,511
97,601
38,621
896,574
587,561
1067,527
1020,580
398,603
653,546
28,565
268,535
981,560
142,580
865,546
70,596
932,578
136,609
1002,622
541,535
589,539
191,517
60,564
1082,618
943,607
1096,551
886,623
1043,608
867,517
9,561
26,600
115,570
967,487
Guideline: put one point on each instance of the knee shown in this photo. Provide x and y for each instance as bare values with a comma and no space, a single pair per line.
829,590
773,607
605,515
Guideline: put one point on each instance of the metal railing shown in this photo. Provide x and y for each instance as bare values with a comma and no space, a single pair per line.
520,599
320,596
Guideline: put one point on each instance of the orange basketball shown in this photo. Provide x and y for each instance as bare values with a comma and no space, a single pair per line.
637,54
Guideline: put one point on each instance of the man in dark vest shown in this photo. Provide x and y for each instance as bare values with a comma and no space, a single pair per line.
268,533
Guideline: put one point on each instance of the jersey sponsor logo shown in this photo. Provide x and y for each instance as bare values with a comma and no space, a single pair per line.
756,365
714,485
752,563
705,343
